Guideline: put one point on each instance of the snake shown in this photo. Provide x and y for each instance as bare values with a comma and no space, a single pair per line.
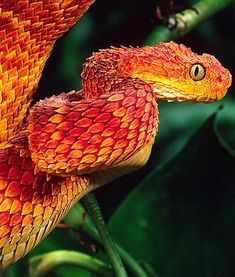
56,151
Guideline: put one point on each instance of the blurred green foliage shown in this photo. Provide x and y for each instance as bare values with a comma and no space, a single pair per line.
180,214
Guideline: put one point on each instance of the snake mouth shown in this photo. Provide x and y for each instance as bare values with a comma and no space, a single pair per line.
171,94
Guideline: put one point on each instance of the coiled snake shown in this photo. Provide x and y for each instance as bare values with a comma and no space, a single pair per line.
53,153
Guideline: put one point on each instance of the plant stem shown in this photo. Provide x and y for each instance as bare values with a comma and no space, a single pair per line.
187,20
42,264
76,220
94,211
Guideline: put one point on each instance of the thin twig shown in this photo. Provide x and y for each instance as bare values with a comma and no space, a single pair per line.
187,20
94,211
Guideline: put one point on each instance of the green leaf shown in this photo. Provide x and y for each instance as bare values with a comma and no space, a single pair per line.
181,218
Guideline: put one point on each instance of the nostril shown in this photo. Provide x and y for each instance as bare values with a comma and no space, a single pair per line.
219,79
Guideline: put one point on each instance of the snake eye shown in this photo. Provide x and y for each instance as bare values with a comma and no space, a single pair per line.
197,72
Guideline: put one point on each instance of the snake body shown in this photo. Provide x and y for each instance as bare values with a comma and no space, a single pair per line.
55,152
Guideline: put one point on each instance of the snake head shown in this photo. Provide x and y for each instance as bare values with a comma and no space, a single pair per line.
178,74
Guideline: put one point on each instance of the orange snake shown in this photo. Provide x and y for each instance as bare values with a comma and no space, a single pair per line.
65,146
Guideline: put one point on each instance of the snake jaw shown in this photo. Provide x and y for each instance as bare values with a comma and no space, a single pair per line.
168,93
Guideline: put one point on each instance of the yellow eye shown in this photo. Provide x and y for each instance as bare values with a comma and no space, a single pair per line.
197,72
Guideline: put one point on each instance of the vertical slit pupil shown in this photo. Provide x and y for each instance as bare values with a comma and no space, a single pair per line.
196,71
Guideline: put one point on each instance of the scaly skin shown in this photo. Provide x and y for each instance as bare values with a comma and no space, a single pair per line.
72,143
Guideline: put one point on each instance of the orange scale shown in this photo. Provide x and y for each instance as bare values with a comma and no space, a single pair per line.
76,132
116,153
85,136
38,210
97,138
27,208
42,164
47,200
120,144
16,219
115,97
111,107
58,135
133,142
130,92
2,196
57,118
83,167
104,117
127,118
27,220
98,102
43,137
52,144
5,205
63,189
16,206
108,132
48,128
91,149
131,110
141,93
143,127
92,112
121,133
43,119
72,116
134,124
79,145
114,122
62,149
37,221
66,125
59,202
81,107
104,151
149,137
13,189
132,134
107,142
15,232
75,154
120,112
3,183
48,212
128,101
37,198
4,230
88,159
145,117
4,218
4,240
84,122
96,128
124,125
140,103
148,107
64,200
69,140
150,97
142,136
